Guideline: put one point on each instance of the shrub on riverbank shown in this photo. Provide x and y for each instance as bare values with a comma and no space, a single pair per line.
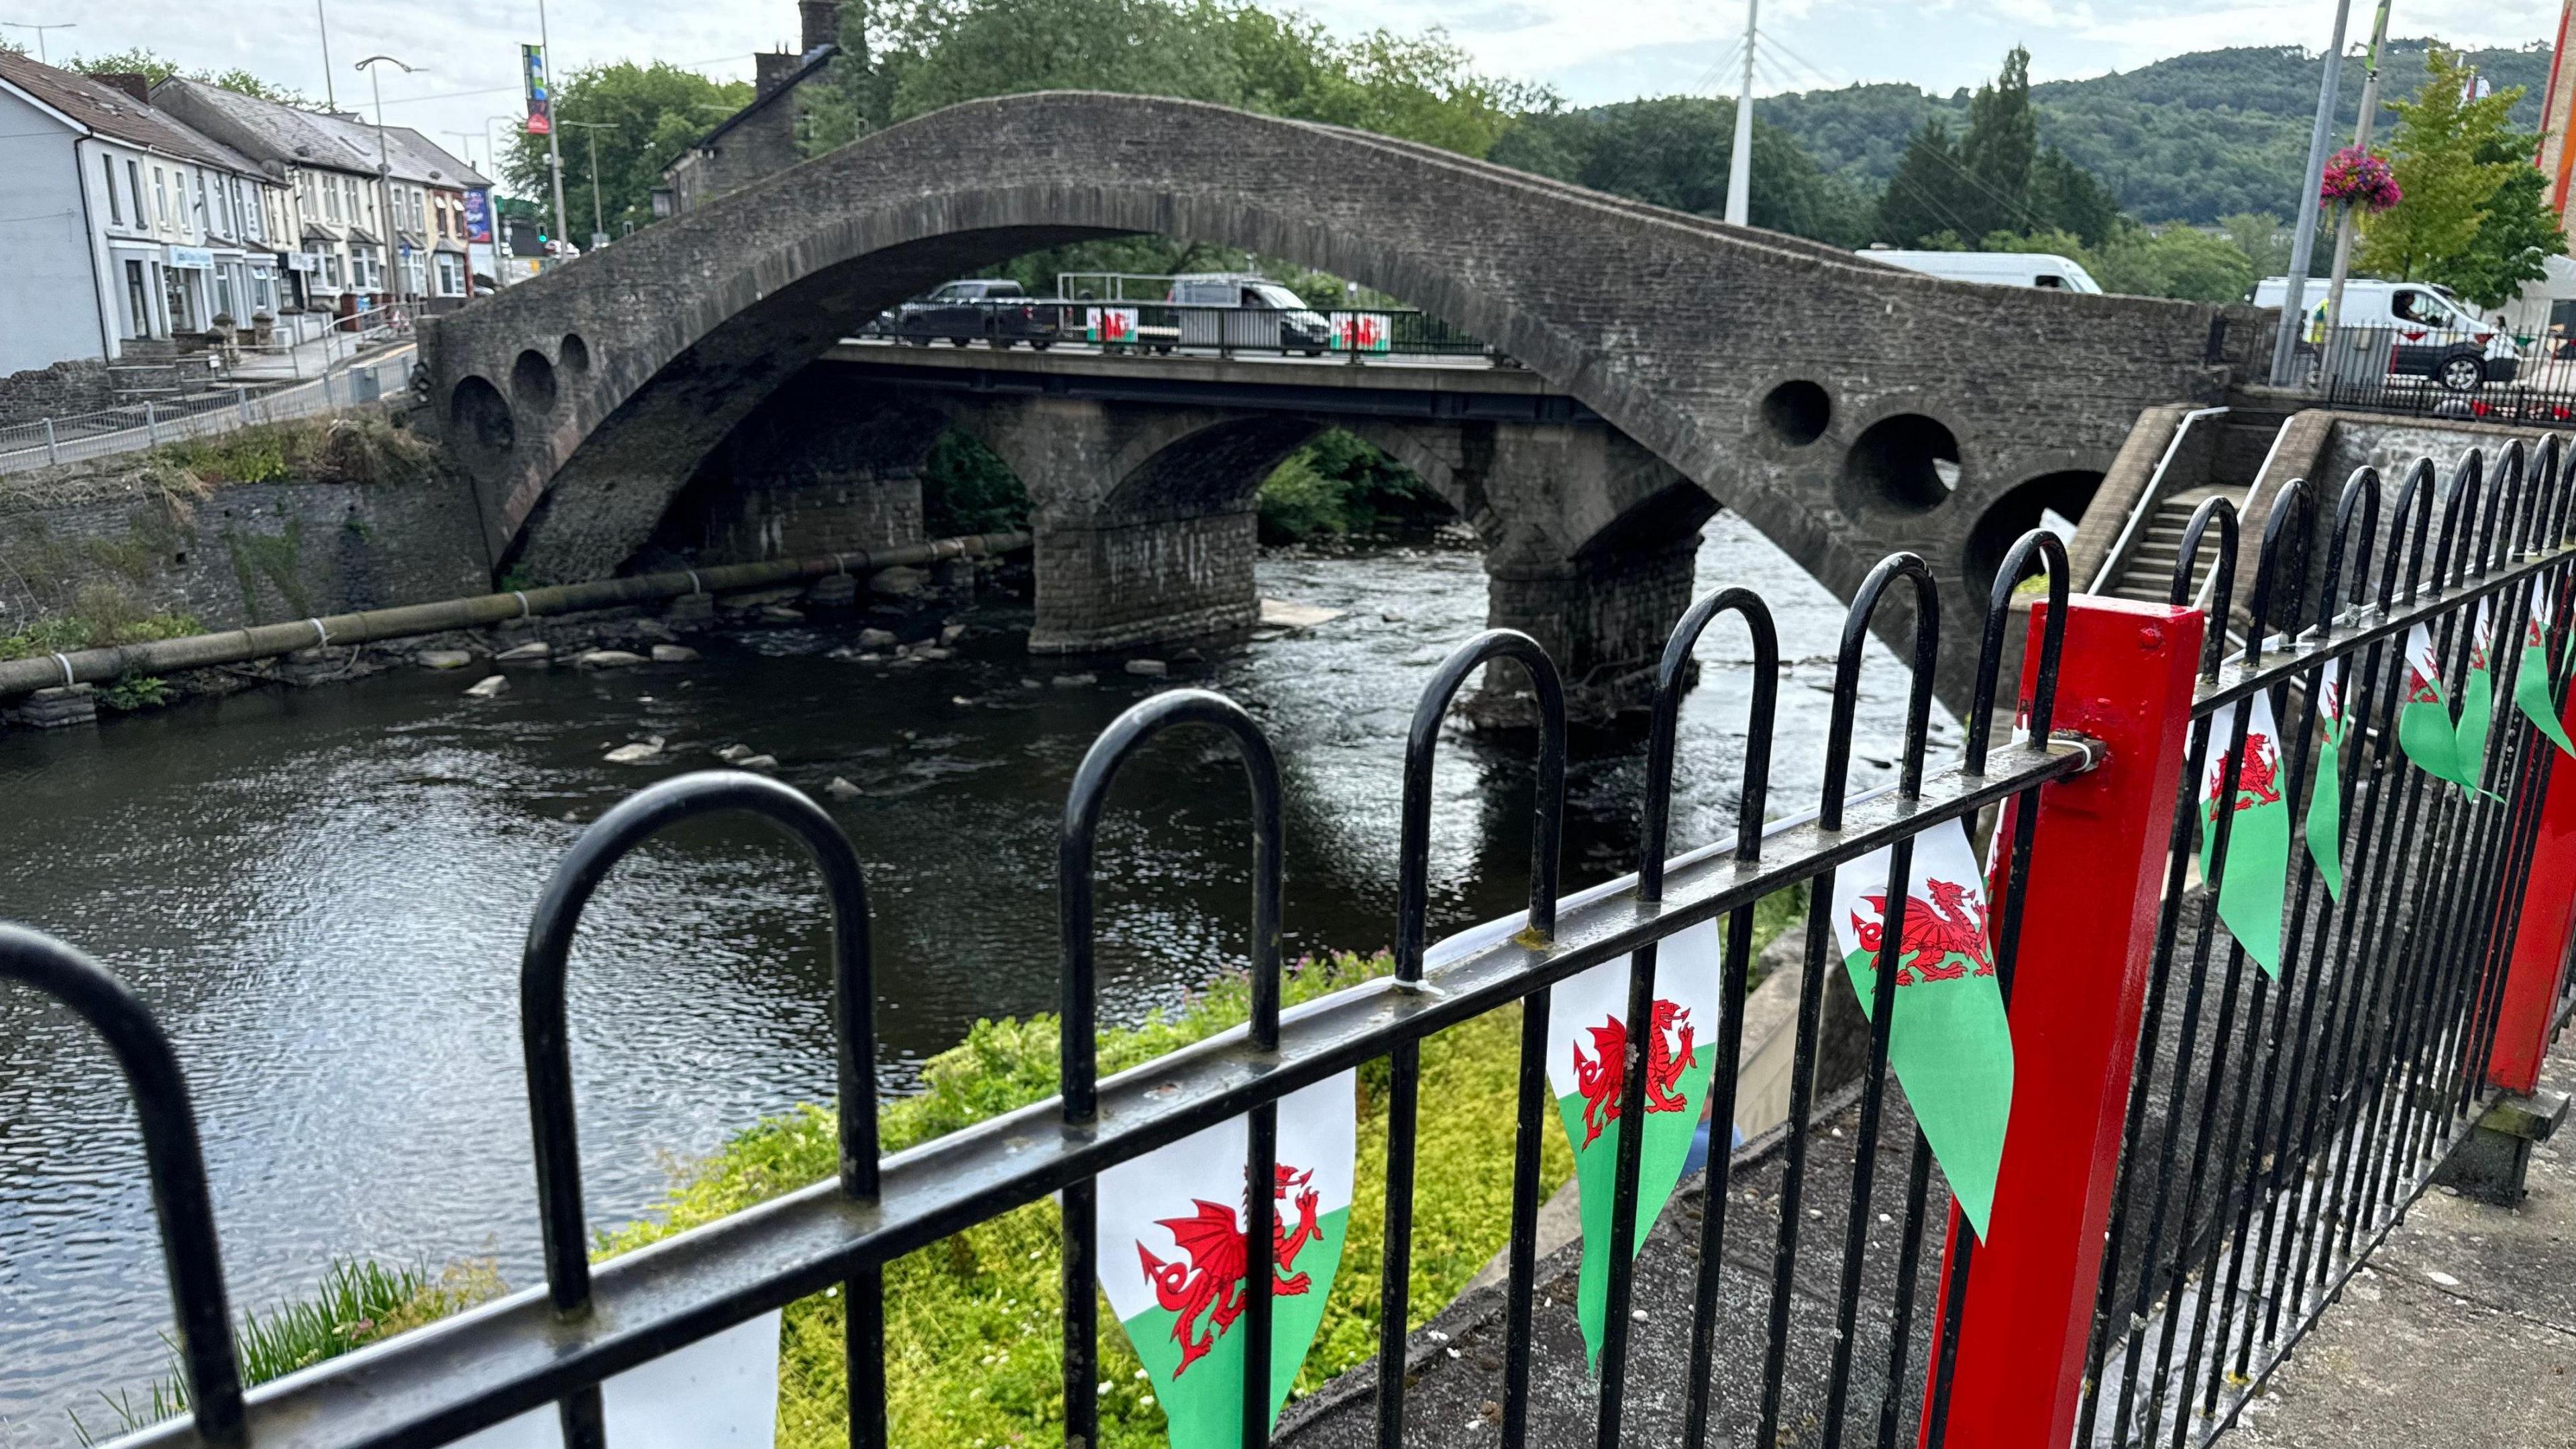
354,447
972,1321
1337,485
102,616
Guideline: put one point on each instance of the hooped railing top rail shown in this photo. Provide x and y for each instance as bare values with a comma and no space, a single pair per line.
558,1344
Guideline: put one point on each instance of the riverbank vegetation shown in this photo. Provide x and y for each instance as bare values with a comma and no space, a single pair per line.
1336,485
971,1321
101,616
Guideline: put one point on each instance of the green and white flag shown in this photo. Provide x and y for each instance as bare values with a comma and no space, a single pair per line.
1587,1035
2258,843
1950,1045
2531,677
2325,798
2477,700
1173,1256
2424,729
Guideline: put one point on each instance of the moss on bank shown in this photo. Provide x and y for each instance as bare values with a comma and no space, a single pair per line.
972,1321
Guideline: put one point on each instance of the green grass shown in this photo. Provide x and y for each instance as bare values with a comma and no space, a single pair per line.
972,1321
358,1303
64,634
355,448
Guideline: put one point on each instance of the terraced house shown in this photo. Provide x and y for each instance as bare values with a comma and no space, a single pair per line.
123,227
374,212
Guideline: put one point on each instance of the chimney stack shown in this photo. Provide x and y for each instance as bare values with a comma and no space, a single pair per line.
128,82
822,23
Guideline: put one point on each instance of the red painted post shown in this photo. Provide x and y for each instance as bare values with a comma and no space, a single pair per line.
2088,928
2540,939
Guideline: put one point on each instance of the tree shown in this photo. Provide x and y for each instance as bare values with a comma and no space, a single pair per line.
2437,151
2261,237
1678,151
1922,199
653,113
156,68
2066,197
1997,151
2177,261
2519,232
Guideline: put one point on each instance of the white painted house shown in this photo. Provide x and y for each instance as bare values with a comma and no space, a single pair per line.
119,222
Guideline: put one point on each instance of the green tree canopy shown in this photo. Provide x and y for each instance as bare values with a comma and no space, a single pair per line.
156,68
2453,153
1997,151
652,113
1679,152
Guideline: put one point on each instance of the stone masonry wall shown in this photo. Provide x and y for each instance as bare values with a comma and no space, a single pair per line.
79,385
1126,583
126,542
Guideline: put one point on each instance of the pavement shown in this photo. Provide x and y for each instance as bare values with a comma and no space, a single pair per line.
2460,1332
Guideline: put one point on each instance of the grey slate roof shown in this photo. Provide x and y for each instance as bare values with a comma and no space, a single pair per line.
342,142
111,112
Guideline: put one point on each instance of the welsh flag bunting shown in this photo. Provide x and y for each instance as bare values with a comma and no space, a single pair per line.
1587,1036
2258,843
2424,720
1173,1255
2325,798
1950,1046
2531,678
2477,700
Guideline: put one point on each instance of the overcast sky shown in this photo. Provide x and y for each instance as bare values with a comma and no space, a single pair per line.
1591,50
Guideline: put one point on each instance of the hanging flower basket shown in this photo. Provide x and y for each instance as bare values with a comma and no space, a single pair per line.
2360,178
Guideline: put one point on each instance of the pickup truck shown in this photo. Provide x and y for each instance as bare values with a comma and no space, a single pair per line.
999,312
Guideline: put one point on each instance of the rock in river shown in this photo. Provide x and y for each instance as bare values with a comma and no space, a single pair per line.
535,651
638,754
608,659
491,685
443,658
673,654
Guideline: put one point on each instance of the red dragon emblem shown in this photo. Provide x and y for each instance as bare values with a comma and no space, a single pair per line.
2420,688
1948,924
1211,1282
1605,1077
2258,785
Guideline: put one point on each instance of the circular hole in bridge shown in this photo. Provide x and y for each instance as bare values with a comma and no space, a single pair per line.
478,419
2054,501
1797,411
575,353
532,381
1908,463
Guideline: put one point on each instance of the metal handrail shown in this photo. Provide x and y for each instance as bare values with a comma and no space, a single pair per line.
2146,501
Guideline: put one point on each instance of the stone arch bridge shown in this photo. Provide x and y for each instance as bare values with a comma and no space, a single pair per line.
1674,365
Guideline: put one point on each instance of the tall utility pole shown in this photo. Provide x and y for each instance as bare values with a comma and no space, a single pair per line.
384,166
598,227
1739,171
2344,224
330,92
554,144
2303,245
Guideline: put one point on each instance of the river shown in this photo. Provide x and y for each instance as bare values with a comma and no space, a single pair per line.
323,894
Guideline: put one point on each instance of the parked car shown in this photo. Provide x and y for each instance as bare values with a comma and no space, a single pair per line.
2433,333
1264,314
2045,270
999,312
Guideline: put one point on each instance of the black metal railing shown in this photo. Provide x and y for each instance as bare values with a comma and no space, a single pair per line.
1840,1324
1170,328
2484,374
2277,1129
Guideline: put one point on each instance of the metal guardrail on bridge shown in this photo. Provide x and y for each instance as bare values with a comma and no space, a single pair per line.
1882,1318
1166,328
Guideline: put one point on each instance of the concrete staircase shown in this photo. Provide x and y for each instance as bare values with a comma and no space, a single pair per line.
2147,575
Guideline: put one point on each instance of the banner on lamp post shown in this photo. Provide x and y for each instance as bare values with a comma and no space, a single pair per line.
541,103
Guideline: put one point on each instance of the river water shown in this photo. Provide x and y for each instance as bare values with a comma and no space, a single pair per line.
323,894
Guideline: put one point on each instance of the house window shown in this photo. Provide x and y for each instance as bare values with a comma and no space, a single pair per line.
204,212
115,208
138,301
451,276
331,269
160,196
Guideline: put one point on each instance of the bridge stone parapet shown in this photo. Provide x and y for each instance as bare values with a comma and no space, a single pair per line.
1841,407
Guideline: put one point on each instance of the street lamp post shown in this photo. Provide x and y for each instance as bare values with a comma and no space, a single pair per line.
554,144
384,162
598,224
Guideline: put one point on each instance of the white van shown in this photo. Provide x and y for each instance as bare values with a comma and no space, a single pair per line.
2433,333
1235,309
2045,270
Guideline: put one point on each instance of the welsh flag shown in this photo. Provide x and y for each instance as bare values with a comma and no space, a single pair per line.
2477,700
2258,843
2531,679
1950,1046
1587,1034
1173,1255
2325,798
2424,721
